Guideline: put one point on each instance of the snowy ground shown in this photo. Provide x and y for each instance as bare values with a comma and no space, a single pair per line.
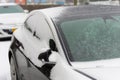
4,64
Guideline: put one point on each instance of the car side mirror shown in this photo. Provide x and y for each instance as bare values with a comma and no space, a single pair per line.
48,57
26,11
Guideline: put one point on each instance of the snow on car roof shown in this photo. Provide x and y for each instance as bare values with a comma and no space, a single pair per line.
67,11
7,4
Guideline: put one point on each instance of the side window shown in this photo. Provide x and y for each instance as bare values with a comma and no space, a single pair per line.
30,23
42,29
27,26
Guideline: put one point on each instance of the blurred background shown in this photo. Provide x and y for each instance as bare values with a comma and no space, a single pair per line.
38,4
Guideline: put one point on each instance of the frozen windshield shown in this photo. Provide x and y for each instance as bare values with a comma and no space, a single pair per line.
93,39
11,9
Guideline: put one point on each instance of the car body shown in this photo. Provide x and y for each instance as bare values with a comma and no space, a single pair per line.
67,43
11,17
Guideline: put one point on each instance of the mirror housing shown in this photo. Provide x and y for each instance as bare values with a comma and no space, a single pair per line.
53,57
44,56
48,57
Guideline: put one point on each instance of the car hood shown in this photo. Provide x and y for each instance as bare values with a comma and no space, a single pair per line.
12,18
102,70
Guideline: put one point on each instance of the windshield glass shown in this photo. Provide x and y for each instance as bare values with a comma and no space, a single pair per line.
93,39
11,9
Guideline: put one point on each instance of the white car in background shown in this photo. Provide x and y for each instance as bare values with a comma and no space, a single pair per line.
11,17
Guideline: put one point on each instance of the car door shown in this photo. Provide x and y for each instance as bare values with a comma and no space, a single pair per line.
21,60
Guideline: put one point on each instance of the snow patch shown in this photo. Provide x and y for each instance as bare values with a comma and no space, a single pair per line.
33,47
4,64
62,71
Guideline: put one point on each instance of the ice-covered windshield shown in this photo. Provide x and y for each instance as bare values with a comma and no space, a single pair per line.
11,9
93,39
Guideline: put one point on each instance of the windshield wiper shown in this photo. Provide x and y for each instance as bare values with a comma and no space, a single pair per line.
110,18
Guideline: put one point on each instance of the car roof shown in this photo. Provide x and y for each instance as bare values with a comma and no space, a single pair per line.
67,11
7,4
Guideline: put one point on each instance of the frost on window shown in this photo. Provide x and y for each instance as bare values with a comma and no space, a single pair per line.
93,39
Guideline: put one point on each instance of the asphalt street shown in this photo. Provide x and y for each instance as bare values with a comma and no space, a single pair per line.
4,64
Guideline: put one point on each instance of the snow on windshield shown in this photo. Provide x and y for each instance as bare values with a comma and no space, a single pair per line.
93,39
